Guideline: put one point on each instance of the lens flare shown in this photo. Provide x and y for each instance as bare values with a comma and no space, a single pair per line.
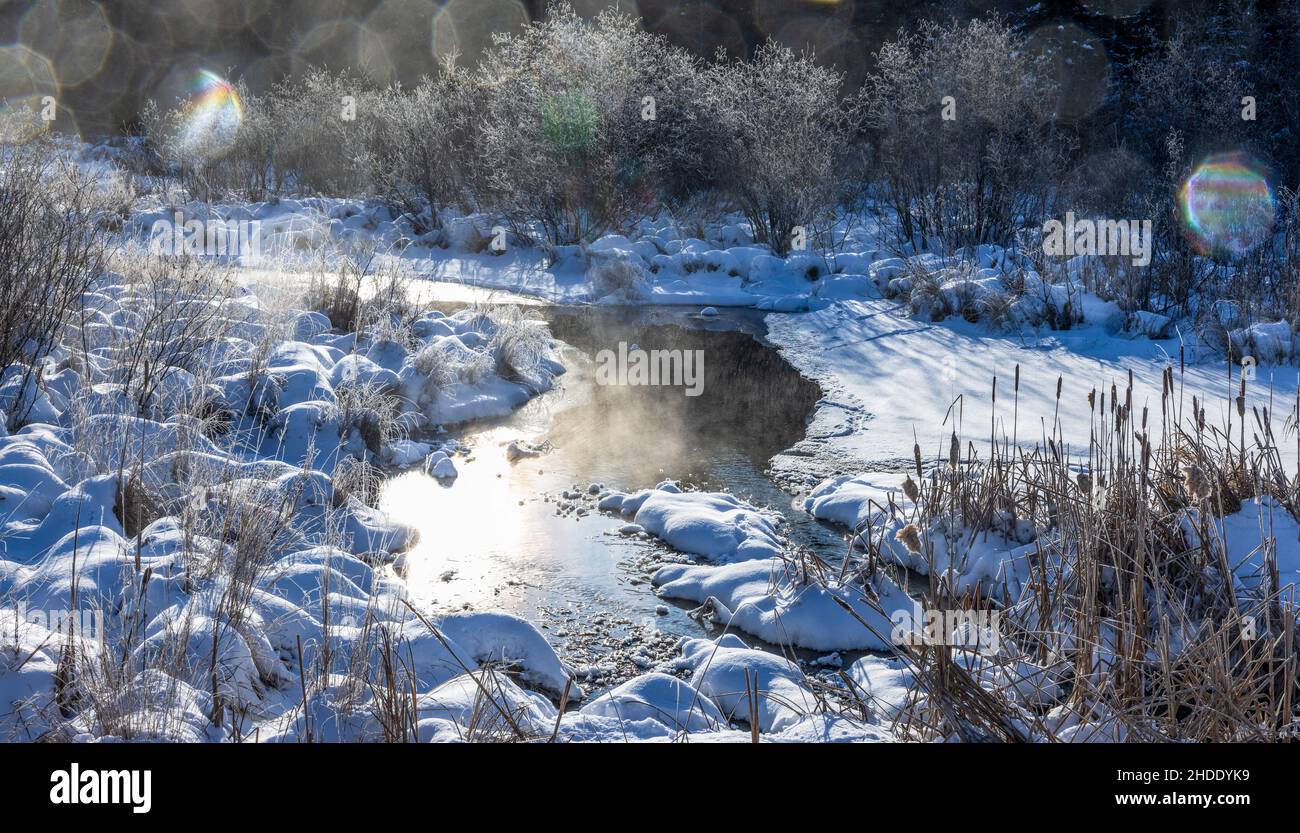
1227,206
211,116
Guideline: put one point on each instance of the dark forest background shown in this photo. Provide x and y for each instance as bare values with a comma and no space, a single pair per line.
155,46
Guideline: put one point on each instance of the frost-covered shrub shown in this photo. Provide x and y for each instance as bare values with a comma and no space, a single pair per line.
215,163
433,363
386,311
359,478
368,414
49,253
336,289
421,152
292,137
615,274
518,346
1192,87
566,151
785,135
968,179
315,147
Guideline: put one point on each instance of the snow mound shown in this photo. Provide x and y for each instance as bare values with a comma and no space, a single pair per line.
1260,532
718,671
482,705
773,600
987,560
714,525
886,684
502,638
661,698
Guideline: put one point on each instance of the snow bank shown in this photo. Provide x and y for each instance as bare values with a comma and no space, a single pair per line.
1259,534
718,671
657,697
502,638
714,525
258,501
972,559
773,600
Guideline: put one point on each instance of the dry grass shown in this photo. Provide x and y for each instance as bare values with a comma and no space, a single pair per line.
1130,617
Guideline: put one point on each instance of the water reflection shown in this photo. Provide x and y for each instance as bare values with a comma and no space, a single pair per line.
492,539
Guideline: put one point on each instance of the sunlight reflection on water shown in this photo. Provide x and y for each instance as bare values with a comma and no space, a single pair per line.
491,540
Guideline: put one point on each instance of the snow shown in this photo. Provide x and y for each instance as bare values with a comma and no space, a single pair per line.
718,670
29,657
882,335
502,638
886,684
907,379
714,525
1260,533
747,583
773,600
661,698
317,592
505,710
971,559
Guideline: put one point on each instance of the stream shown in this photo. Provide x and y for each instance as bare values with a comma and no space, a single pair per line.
524,537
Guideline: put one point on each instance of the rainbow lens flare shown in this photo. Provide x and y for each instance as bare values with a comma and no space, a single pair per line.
211,117
1227,206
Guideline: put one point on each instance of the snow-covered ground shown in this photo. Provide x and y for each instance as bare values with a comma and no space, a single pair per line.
893,380
216,643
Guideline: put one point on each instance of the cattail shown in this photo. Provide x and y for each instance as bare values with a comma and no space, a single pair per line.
1194,479
911,489
916,458
1085,482
954,451
910,537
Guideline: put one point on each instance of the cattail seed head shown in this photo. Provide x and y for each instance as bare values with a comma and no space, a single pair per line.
911,489
1196,483
910,537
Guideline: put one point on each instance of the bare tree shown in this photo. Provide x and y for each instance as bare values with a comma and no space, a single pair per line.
964,122
566,124
49,254
421,150
786,134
